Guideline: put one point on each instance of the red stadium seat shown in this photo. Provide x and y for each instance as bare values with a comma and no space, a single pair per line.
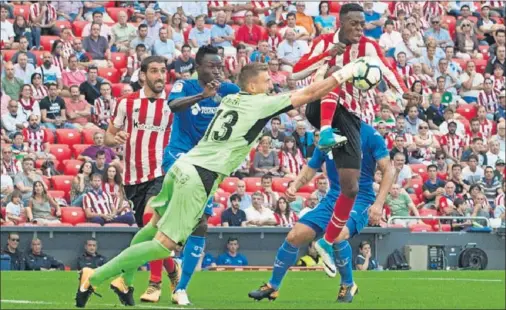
481,64
40,162
79,148
119,60
47,42
428,212
214,220
3,211
229,185
117,88
88,135
468,111
451,22
420,228
50,136
308,188
442,175
414,198
280,184
78,27
113,12
60,151
73,215
22,10
186,33
461,62
7,54
253,184
63,24
419,169
221,197
418,186
47,181
71,166
483,49
444,227
56,194
111,74
39,55
68,136
334,7
62,183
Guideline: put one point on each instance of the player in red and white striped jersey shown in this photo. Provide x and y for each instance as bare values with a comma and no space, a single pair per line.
104,105
337,50
487,98
146,119
452,144
43,13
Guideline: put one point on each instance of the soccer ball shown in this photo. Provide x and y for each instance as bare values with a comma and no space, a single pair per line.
367,74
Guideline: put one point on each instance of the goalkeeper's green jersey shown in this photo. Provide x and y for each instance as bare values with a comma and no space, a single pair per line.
234,130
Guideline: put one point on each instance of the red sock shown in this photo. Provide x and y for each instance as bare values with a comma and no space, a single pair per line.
156,266
168,263
340,215
327,109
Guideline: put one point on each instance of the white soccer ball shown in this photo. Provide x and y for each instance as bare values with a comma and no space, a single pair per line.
367,73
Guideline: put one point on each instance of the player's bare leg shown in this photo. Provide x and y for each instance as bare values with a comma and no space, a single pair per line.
299,236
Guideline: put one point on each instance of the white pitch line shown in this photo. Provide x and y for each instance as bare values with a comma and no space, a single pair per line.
25,302
443,279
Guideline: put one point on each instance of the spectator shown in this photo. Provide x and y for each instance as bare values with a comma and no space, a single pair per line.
36,139
364,260
433,187
59,59
39,208
276,135
98,19
21,29
290,158
451,143
270,196
7,30
15,211
303,20
272,36
475,132
412,120
472,173
112,184
24,181
449,117
100,207
91,7
193,9
426,144
164,46
185,63
390,39
467,43
99,165
403,68
233,215
283,214
27,104
373,21
199,36
404,173
122,33
459,209
407,46
17,258
303,138
221,33
266,160
500,41
6,185
67,44
450,80
134,62
441,35
142,38
491,185
24,45
430,58
385,117
91,152
24,69
11,84
249,34
487,26
279,79
177,29
322,187
10,165
69,10
461,185
90,258
472,83
475,149
312,202
104,105
482,208
140,8
290,51
49,72
257,214
52,110
488,99
15,120
486,125
18,147
464,14
324,22
90,89
446,200
311,259
400,204
97,47
154,25
231,257
73,75
494,153
43,18
262,53
399,148
245,201
81,184
78,110
500,115
81,54
420,82
36,260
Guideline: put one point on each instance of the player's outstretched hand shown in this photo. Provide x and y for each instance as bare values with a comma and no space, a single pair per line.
337,49
211,88
121,137
375,212
290,193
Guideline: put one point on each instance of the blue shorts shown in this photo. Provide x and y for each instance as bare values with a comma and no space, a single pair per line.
318,218
169,158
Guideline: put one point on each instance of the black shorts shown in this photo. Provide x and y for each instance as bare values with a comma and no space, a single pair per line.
139,194
347,124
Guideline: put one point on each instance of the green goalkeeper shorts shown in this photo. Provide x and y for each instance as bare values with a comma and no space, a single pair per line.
183,198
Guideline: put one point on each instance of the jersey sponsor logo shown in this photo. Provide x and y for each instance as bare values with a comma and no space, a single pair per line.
149,127
178,87
196,109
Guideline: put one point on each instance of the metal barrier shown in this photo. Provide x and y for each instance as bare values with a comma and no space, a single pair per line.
438,219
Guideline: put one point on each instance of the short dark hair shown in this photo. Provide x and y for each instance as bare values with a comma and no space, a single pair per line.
489,167
149,60
140,46
472,156
220,48
94,23
25,159
97,13
475,119
240,46
17,133
249,71
205,50
276,118
457,166
231,239
477,139
92,67
363,244
267,176
186,46
141,26
96,175
350,7
100,153
51,84
106,84
235,197
271,23
291,14
499,31
431,166
74,86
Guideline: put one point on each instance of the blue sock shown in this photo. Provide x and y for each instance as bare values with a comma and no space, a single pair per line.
193,249
343,257
286,257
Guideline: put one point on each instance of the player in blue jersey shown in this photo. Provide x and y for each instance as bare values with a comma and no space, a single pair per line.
315,221
194,103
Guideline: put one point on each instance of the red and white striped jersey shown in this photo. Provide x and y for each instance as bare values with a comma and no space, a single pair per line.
148,124
111,189
498,83
444,203
273,41
133,62
270,200
486,127
304,82
499,200
423,78
38,93
347,95
259,4
98,202
292,163
49,16
284,221
406,6
369,106
231,63
215,3
489,101
58,62
496,4
405,72
67,49
104,108
470,136
433,8
29,105
454,143
390,139
35,138
11,168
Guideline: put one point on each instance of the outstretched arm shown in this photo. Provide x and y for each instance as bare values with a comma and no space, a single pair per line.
180,104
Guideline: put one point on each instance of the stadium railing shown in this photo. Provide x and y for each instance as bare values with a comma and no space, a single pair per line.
436,220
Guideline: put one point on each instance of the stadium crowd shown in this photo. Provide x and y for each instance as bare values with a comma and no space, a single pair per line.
65,65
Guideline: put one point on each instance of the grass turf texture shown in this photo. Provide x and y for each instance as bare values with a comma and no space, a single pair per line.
301,290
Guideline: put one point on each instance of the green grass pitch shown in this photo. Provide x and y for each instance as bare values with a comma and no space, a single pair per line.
301,290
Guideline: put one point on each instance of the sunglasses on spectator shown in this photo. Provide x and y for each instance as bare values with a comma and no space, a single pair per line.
435,22
423,127
466,25
15,240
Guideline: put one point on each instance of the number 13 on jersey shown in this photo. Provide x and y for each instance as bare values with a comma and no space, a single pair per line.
222,126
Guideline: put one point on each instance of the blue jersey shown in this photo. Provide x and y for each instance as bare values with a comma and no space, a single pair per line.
373,149
226,259
189,125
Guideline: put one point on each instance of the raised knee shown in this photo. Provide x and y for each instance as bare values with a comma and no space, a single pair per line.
300,236
350,189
